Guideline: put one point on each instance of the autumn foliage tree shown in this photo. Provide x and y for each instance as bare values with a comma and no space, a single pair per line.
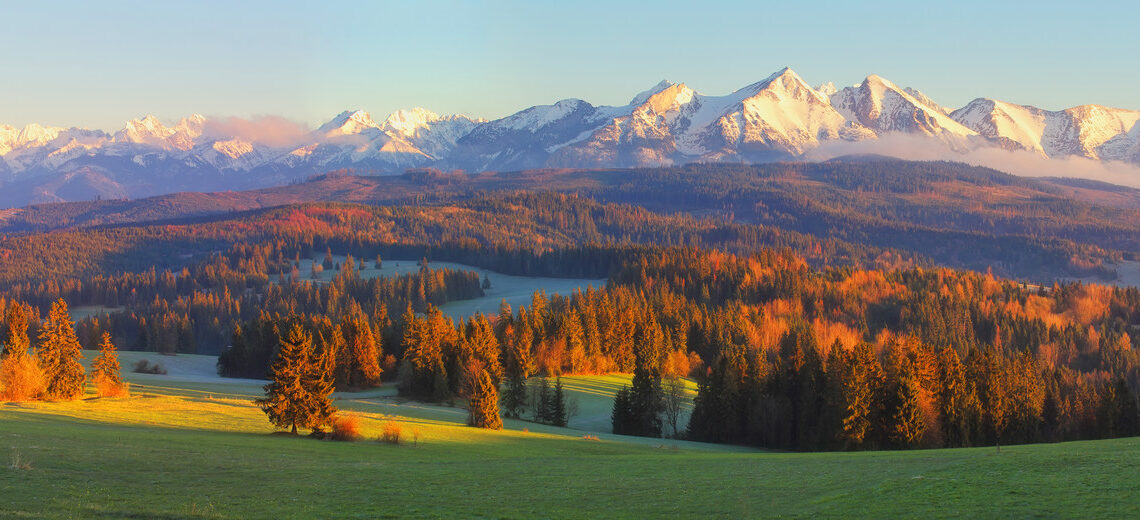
21,378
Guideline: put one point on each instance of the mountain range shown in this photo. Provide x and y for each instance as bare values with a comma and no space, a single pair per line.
779,118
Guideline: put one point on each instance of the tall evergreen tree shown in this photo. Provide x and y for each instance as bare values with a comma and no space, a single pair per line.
105,368
860,380
297,395
320,382
953,397
59,353
518,364
541,401
362,356
907,423
638,409
716,416
483,403
423,351
479,342
17,330
556,411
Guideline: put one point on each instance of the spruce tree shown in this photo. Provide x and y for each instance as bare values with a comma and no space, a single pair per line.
514,397
423,351
622,416
481,344
953,398
363,356
17,330
907,423
638,409
556,411
298,393
59,352
320,382
859,383
541,401
105,368
483,403
518,364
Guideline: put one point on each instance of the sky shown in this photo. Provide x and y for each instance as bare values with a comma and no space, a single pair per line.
98,64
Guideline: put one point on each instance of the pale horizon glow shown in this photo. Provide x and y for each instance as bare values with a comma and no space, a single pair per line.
98,65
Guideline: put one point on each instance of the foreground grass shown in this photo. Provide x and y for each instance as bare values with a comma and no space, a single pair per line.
183,452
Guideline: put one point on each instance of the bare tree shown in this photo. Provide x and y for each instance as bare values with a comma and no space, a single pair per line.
673,389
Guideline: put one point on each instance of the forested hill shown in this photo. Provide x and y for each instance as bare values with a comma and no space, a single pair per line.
950,213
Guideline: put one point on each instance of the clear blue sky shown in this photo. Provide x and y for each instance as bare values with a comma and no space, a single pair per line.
99,63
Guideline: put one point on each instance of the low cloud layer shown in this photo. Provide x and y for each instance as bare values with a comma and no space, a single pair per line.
1017,162
269,130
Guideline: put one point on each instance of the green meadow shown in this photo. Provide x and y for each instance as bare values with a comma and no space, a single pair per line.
186,445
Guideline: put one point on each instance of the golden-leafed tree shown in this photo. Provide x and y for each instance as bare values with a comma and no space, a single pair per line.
21,378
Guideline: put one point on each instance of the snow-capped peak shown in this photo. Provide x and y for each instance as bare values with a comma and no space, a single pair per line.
827,89
668,99
148,130
644,96
880,105
408,122
34,135
786,81
348,123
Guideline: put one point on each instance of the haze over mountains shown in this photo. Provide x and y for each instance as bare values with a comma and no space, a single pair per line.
781,117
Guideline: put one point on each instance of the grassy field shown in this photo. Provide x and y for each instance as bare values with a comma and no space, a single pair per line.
187,447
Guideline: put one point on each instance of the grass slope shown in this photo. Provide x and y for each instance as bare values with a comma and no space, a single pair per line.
187,448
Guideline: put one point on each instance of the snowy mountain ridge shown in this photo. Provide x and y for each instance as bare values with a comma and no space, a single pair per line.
778,118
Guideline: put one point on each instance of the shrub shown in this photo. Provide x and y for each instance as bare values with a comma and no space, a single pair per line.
107,387
17,461
21,378
346,427
391,432
144,366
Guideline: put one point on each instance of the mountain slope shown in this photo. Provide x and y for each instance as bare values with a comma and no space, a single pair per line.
1090,131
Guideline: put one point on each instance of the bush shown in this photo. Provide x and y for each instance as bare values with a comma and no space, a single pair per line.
18,461
108,388
391,432
146,367
345,427
21,378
